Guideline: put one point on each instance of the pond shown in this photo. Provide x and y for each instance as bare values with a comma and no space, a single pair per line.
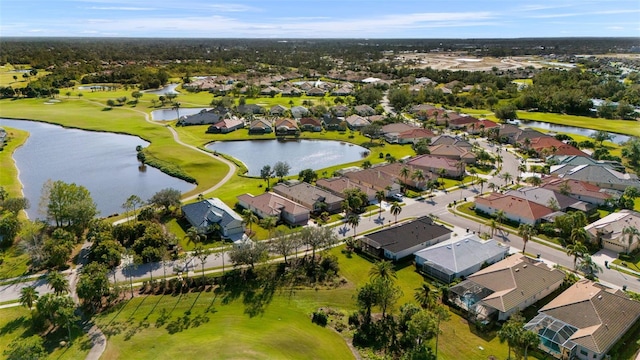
104,163
299,154
171,114
169,89
616,138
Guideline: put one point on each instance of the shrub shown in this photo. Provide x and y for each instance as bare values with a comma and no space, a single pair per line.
320,318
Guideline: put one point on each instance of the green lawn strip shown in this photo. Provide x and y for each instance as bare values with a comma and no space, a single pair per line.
89,116
617,126
14,263
15,323
283,331
9,173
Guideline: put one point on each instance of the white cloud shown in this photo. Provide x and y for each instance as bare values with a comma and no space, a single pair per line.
232,7
120,8
599,12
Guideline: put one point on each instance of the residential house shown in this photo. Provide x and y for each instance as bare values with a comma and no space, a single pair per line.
585,321
291,91
356,122
210,214
400,241
312,197
461,122
377,179
599,175
414,135
338,185
454,152
576,189
583,159
450,140
339,110
278,110
364,110
342,91
459,258
434,164
271,204
299,112
481,126
260,126
310,124
421,108
545,145
285,126
511,134
270,91
525,135
333,123
393,130
376,118
250,109
552,199
226,126
508,286
205,117
610,231
316,92
514,208
394,170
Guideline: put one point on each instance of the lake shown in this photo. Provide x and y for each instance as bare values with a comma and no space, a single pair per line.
299,154
171,114
104,163
169,89
616,138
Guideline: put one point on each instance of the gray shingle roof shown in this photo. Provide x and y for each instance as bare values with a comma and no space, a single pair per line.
405,236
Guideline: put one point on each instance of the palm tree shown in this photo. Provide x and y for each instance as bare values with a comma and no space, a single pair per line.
507,177
380,196
395,209
404,172
193,235
382,270
493,224
534,180
269,223
482,181
579,234
631,232
28,295
577,250
500,216
426,296
492,186
441,174
418,176
354,220
58,282
249,218
176,107
527,232
588,266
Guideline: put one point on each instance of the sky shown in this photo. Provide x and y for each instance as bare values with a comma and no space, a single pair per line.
320,19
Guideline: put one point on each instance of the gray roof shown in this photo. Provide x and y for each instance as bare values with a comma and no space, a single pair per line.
583,160
204,117
306,193
406,236
450,140
457,255
208,212
598,174
543,197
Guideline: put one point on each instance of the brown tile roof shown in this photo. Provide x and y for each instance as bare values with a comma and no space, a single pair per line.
601,314
513,205
310,121
433,161
451,150
289,123
416,134
376,178
397,128
339,185
576,187
514,280
463,120
547,142
270,203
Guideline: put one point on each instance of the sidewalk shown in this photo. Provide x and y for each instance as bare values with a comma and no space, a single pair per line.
607,255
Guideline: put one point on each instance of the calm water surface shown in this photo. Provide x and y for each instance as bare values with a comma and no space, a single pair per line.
299,154
616,138
104,163
172,114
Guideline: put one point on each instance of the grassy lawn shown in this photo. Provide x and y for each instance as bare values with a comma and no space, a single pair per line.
9,173
7,73
154,326
15,323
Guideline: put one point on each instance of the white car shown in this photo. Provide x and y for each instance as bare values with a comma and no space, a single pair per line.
397,197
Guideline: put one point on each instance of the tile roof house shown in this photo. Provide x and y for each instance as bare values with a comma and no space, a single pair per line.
226,125
205,215
396,128
576,189
342,91
395,171
421,107
551,199
610,231
260,126
312,197
316,92
205,117
453,152
462,122
310,124
339,110
278,110
271,204
338,185
377,179
585,321
599,175
433,164
248,109
551,145
515,209
480,126
364,110
414,135
450,140
459,258
356,122
270,91
299,111
512,134
285,126
508,286
333,123
400,241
